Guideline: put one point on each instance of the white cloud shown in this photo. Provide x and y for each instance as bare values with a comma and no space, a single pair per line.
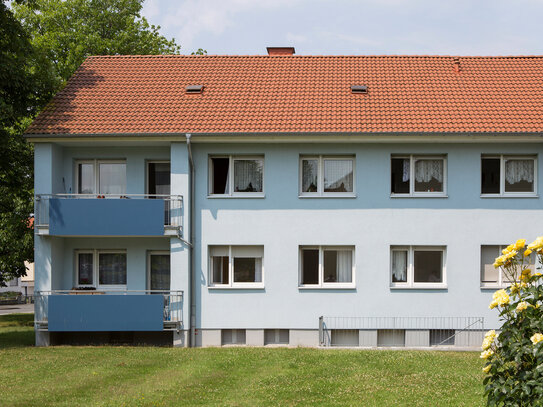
190,18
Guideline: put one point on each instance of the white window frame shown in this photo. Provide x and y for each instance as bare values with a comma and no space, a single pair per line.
148,273
95,272
147,162
96,169
320,176
231,284
503,158
502,281
231,193
411,284
322,284
412,193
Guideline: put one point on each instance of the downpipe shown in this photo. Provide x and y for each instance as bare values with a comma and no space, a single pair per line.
192,308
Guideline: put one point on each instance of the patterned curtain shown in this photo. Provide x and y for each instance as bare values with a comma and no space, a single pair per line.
247,176
425,170
519,170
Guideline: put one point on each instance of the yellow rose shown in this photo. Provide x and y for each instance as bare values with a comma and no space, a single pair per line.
519,244
487,343
499,261
527,252
536,244
493,304
522,306
526,274
501,297
536,338
486,354
515,288
486,369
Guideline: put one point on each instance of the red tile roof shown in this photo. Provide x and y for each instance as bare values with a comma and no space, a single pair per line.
253,94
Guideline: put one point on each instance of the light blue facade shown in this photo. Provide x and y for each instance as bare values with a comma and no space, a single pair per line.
281,222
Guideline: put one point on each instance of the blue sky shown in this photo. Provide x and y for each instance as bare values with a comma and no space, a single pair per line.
320,27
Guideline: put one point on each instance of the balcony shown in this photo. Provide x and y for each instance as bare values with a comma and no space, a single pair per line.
109,215
108,310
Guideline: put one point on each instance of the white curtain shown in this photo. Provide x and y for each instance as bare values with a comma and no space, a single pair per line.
309,175
399,266
338,175
519,170
112,178
344,266
247,176
425,170
406,169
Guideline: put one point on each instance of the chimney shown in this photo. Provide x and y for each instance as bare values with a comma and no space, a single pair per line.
456,62
274,51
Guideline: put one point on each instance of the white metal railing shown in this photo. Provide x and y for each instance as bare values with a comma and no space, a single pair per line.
456,324
173,205
172,313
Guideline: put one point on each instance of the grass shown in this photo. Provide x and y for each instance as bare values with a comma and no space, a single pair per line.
150,376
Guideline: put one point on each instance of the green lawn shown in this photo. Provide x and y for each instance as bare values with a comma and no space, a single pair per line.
148,376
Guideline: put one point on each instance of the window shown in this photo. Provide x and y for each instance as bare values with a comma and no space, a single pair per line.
103,177
495,277
276,336
236,266
418,267
326,176
503,175
326,266
413,175
158,267
236,176
233,337
105,267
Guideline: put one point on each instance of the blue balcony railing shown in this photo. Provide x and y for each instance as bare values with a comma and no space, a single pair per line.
108,215
108,310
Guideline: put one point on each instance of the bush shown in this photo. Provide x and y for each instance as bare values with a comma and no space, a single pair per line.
514,367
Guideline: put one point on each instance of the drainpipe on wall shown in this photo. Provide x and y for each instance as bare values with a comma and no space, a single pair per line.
192,308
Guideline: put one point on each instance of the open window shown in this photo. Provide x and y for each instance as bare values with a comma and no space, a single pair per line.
414,175
326,266
504,175
236,176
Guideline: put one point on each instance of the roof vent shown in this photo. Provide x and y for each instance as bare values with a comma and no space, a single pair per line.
359,89
194,88
280,51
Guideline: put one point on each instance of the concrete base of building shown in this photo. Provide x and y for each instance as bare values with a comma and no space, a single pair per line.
43,338
181,338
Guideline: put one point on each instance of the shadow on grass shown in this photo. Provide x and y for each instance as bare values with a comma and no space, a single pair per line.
16,330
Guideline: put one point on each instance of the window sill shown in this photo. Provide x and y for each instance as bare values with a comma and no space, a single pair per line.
328,287
421,195
236,287
429,286
495,286
487,196
251,196
346,195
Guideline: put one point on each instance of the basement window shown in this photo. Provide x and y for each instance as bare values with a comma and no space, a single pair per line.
194,88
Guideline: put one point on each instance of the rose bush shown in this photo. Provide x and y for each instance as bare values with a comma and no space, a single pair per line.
514,357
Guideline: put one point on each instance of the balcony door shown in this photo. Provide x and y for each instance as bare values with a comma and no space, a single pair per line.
158,178
158,265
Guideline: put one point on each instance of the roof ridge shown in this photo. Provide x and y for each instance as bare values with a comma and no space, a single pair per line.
314,56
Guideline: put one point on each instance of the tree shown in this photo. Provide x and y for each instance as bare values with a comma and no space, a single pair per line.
42,43
66,32
25,84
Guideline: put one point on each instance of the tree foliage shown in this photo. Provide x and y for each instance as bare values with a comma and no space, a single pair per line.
68,31
42,43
